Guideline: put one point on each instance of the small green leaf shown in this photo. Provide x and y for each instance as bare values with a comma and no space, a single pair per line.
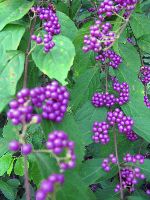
19,166
5,162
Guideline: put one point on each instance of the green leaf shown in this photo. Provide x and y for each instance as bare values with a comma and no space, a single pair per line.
41,166
10,132
136,108
5,162
74,188
88,114
68,27
144,43
10,38
82,60
11,10
10,76
56,63
7,190
3,146
140,24
19,166
84,88
11,167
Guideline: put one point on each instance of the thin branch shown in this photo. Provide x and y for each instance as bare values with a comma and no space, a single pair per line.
27,54
118,164
27,186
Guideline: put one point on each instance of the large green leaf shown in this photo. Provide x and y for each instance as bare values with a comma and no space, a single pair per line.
86,116
7,190
10,38
84,88
11,10
91,171
10,76
136,108
144,43
82,60
68,27
5,162
74,188
41,166
140,24
58,61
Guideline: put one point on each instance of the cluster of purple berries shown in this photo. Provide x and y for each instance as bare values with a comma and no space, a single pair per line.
109,7
124,122
108,100
132,136
100,130
147,101
58,142
100,36
48,186
21,110
129,178
107,161
52,99
16,146
51,26
134,158
110,57
103,99
145,74
123,90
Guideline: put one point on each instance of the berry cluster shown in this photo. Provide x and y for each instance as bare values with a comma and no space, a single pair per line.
21,111
134,158
124,122
100,36
48,185
132,136
109,7
107,161
100,130
146,101
52,99
25,148
51,26
110,58
108,100
58,142
103,99
129,178
123,90
144,75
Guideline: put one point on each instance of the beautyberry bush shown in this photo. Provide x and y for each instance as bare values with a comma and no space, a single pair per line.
74,100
